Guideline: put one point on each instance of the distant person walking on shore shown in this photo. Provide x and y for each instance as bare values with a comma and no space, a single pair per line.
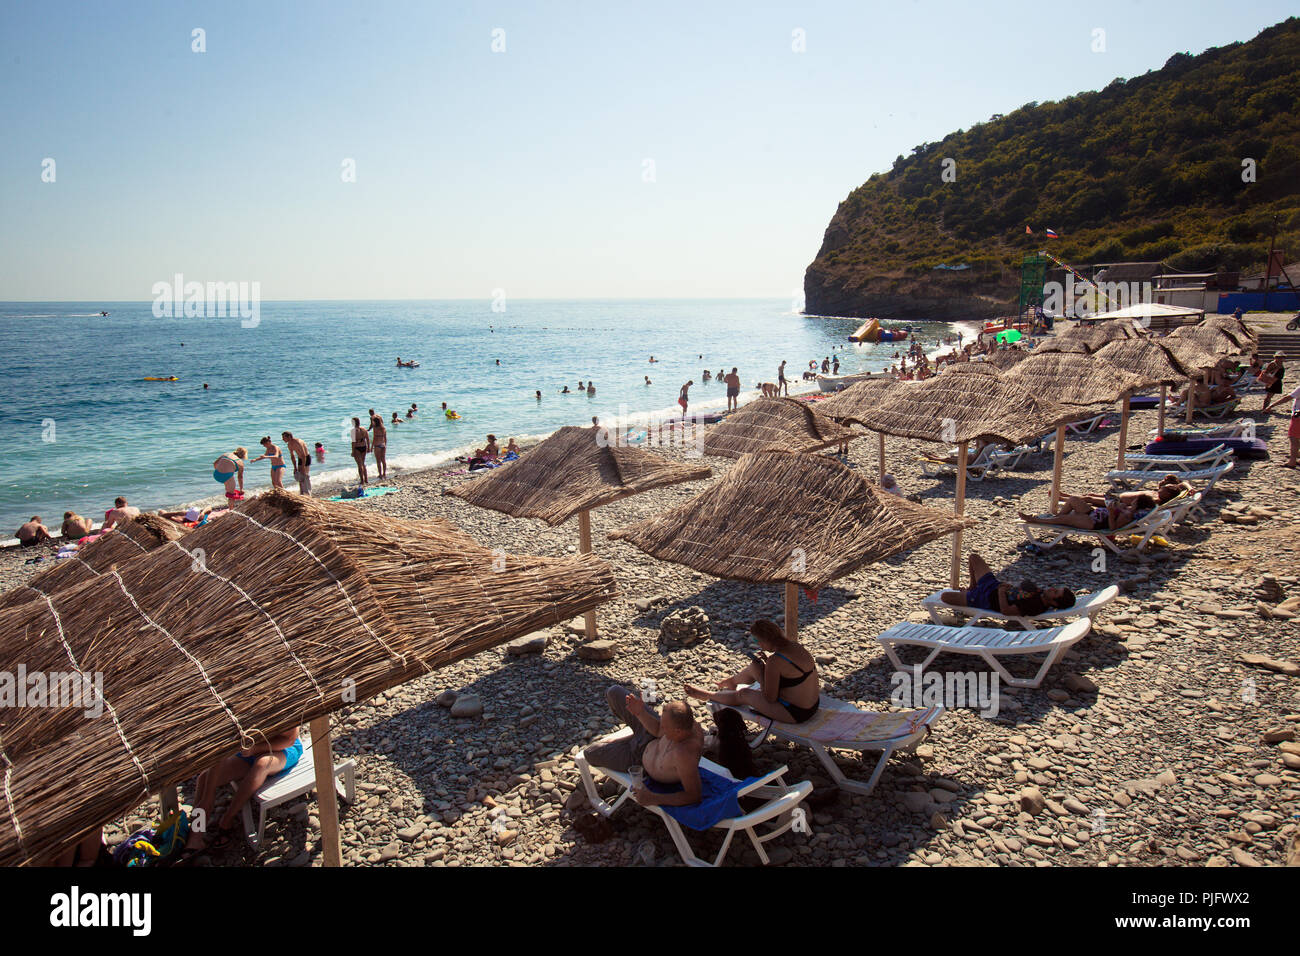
360,448
277,461
228,468
733,390
379,442
301,459
683,397
781,384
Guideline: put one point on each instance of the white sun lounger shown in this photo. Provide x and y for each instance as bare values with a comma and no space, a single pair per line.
1086,605
780,800
1147,527
299,780
1088,425
1208,475
987,464
839,725
1227,430
988,643
1218,410
1205,459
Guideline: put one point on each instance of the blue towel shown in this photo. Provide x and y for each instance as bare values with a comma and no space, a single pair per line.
718,800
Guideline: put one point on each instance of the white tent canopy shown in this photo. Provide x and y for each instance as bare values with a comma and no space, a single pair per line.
1146,310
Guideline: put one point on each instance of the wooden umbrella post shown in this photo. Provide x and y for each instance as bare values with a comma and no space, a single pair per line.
584,545
881,436
327,800
954,575
1056,468
1191,396
1160,428
791,611
1123,434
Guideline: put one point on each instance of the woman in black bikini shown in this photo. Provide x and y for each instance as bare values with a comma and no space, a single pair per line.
360,448
784,679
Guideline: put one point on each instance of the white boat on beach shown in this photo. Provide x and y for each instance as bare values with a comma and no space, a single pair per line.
834,383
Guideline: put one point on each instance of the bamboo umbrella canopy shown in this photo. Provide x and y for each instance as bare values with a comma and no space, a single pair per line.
1076,380
1150,360
1201,347
124,541
1003,359
783,517
278,613
573,471
1097,336
1074,343
779,424
1234,328
965,402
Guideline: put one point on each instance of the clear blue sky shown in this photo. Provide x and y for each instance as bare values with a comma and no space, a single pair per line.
520,170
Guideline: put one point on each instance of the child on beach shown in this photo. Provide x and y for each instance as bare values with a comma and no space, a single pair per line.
320,452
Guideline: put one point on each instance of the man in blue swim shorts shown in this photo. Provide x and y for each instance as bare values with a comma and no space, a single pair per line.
270,758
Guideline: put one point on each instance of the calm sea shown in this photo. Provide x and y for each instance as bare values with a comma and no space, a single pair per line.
79,425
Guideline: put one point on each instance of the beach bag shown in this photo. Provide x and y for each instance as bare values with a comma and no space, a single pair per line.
151,846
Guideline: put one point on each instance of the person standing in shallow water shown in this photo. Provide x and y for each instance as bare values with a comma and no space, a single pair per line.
301,459
277,461
379,442
733,390
360,448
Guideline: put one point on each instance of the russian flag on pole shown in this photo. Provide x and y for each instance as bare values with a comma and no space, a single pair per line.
1051,234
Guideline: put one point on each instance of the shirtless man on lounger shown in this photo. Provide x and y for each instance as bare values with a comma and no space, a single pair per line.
668,745
989,594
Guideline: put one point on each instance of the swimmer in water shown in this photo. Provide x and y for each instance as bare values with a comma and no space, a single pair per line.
539,394
565,391
320,454
396,420
647,380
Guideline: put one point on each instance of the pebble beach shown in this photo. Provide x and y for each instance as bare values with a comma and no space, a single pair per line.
1167,736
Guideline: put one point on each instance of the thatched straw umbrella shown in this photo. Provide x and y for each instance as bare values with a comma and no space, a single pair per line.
1237,330
569,473
1150,361
1201,347
1003,359
782,517
1091,337
1078,381
774,424
123,542
276,614
964,403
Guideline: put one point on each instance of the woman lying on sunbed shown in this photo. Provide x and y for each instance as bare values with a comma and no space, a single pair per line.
988,593
1170,487
1113,515
788,687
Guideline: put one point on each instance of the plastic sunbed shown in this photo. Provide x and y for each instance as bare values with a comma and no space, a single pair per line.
1086,605
986,464
1226,430
1205,459
1141,478
839,725
1091,424
988,643
780,801
1146,528
299,780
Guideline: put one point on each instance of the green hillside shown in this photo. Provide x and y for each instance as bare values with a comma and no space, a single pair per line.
1148,169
